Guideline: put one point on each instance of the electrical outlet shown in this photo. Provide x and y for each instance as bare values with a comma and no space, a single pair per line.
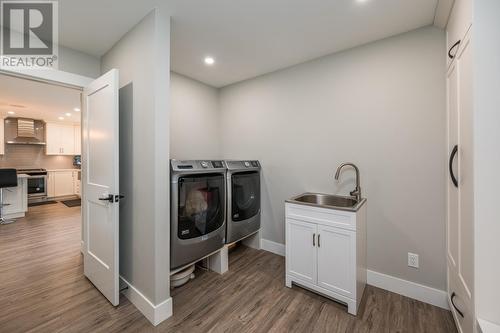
412,260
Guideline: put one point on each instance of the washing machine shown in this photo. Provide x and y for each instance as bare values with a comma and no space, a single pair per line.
243,199
198,210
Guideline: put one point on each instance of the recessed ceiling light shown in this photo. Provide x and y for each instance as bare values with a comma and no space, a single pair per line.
76,109
61,118
11,112
362,1
68,114
209,61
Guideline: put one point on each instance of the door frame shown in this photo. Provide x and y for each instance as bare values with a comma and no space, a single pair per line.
57,78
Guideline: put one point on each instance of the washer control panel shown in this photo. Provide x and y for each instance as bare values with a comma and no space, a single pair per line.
186,165
244,164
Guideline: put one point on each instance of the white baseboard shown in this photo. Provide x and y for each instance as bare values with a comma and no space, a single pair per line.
396,285
154,313
273,247
409,289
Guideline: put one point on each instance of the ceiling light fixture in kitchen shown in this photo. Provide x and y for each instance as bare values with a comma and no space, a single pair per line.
11,112
61,118
76,109
68,114
209,61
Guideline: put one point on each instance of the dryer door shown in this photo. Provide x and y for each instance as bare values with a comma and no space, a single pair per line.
201,205
245,192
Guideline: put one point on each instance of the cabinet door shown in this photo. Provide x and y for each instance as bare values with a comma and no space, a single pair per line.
78,139
337,260
63,183
53,139
68,140
460,223
51,184
459,22
301,250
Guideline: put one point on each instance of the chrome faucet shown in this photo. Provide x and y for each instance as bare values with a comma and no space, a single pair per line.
357,191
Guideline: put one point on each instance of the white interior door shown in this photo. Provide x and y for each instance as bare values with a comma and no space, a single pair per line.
100,184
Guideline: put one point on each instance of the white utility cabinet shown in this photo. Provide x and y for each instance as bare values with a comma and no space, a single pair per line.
460,229
326,251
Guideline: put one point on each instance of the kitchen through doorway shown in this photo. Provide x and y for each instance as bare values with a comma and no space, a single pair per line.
40,138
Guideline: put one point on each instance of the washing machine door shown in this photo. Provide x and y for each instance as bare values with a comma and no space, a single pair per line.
201,205
245,195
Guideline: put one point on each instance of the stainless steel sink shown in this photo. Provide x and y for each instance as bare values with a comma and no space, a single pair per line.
328,201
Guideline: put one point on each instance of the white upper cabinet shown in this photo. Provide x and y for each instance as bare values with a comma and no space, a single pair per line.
60,139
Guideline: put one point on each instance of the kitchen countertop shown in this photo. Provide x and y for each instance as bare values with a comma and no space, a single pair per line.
56,170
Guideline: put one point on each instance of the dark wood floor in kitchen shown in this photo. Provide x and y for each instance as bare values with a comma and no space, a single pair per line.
42,289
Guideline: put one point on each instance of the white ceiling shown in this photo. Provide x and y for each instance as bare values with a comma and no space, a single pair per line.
31,99
246,38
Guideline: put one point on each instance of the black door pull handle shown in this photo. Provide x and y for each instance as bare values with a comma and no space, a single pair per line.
109,198
451,56
113,198
453,303
450,165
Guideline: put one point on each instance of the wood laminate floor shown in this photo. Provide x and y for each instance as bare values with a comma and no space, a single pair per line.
42,289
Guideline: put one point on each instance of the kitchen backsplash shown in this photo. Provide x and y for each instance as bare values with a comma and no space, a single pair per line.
27,156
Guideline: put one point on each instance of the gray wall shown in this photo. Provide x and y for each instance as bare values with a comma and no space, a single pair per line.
194,119
80,63
486,157
381,106
142,57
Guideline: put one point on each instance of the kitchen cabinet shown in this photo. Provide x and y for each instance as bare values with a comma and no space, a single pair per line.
62,183
460,186
16,199
2,136
60,139
326,252
77,183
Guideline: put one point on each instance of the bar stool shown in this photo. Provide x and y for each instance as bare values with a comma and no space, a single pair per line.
8,178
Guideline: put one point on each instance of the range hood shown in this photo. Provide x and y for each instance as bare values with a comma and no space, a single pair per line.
26,133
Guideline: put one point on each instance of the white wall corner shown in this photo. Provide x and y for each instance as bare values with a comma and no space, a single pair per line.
273,247
154,313
409,289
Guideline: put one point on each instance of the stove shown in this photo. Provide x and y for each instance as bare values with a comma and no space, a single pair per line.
37,183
